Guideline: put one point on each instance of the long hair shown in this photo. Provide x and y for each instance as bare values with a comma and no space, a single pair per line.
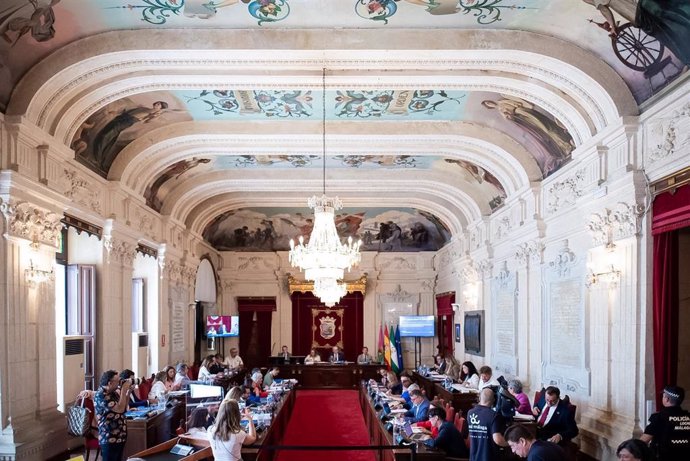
472,370
234,394
227,420
198,418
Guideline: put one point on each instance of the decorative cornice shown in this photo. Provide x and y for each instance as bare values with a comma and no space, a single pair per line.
79,191
564,262
397,263
25,220
613,224
303,286
566,192
529,251
123,252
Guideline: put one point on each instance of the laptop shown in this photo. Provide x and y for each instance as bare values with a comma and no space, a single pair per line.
412,435
385,411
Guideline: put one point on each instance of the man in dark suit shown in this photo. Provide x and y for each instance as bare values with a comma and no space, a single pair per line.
555,418
285,354
336,356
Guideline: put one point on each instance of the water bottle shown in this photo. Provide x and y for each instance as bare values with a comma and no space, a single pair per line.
397,438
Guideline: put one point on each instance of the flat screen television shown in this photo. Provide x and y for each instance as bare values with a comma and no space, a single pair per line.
473,332
416,326
222,326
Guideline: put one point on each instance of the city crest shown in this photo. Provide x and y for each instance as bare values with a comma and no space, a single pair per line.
327,327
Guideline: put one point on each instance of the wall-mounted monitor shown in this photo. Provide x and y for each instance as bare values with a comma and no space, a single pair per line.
222,326
416,326
473,333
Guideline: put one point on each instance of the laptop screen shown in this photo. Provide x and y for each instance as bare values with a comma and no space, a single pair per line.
408,429
386,408
202,391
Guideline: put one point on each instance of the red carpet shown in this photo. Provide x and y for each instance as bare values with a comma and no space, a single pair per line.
326,418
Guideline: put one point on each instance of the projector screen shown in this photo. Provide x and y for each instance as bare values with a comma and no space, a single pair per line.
416,325
202,391
222,326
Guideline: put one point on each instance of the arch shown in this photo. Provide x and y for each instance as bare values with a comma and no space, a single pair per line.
205,282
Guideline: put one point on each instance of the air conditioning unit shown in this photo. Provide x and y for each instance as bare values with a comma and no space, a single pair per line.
73,370
140,354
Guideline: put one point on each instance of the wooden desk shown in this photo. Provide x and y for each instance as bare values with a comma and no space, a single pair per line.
161,452
149,432
380,436
461,401
329,375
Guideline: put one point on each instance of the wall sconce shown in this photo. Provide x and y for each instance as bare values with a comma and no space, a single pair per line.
611,276
35,276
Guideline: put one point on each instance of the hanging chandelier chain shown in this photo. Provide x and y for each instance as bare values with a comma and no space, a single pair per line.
323,125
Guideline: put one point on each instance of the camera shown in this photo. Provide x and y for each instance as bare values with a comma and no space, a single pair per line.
133,381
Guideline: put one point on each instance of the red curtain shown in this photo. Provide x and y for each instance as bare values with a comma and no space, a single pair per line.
348,323
445,317
255,330
670,212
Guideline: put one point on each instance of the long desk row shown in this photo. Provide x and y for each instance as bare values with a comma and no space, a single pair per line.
329,375
461,401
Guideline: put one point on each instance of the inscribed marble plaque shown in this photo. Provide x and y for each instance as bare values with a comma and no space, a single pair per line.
566,323
177,323
505,322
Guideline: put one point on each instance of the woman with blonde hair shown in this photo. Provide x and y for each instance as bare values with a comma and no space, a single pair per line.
226,435
393,383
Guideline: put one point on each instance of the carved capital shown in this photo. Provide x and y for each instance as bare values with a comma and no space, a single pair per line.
27,221
620,222
564,262
123,252
527,252
79,191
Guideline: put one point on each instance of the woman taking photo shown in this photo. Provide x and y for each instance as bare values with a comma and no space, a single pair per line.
226,435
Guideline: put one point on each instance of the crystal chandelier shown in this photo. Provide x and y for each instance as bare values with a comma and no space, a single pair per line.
325,258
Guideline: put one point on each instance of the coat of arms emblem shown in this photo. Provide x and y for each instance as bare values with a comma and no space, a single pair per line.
327,327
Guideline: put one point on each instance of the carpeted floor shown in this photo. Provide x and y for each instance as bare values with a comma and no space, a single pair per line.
327,418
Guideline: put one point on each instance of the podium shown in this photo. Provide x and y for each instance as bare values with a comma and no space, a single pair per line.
277,360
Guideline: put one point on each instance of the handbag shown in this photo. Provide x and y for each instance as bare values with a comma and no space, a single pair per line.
78,423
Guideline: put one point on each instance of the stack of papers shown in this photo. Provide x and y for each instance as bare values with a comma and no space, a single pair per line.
521,417
466,390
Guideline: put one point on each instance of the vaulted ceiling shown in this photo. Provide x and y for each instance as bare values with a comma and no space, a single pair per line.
436,112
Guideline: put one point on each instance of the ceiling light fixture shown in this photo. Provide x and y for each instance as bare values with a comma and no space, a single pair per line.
325,258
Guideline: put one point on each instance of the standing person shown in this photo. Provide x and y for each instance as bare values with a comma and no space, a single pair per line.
364,358
486,428
449,438
523,444
669,429
226,435
110,407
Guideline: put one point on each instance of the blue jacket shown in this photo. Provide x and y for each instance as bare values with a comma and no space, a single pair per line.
417,414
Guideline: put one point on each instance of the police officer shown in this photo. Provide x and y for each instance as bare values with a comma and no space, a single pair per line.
669,429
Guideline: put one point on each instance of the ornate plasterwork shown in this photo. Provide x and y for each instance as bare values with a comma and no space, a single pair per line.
566,192
564,262
123,252
175,271
612,224
399,294
79,191
503,227
485,267
503,275
253,263
25,220
397,263
529,252
671,135
145,224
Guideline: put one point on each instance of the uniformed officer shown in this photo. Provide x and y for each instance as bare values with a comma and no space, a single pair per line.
669,429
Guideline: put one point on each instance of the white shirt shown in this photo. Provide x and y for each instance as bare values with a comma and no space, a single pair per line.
228,450
158,391
204,374
309,359
472,382
233,362
491,382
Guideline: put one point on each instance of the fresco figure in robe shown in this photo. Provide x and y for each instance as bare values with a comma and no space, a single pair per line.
40,22
174,171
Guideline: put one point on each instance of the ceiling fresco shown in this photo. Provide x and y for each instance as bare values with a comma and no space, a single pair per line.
492,190
104,134
615,30
380,229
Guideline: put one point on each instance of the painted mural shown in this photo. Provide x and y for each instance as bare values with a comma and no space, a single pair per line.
102,136
380,229
646,41
491,190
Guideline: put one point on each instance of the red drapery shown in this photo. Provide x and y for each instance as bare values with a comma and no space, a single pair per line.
670,212
255,329
445,316
347,318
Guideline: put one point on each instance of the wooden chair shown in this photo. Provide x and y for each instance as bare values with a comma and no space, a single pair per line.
450,412
461,425
91,437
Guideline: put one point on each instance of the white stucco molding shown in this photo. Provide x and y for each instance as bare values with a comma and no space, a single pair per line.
589,86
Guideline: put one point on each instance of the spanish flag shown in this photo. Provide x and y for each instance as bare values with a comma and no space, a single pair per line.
387,347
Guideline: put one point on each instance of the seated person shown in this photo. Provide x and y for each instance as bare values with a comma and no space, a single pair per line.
257,385
235,393
233,361
169,378
449,438
393,384
428,428
313,357
555,420
216,365
337,355
204,371
285,354
134,401
158,391
404,397
441,364
364,358
637,450
486,378
469,376
420,407
198,422
515,388
270,374
523,444
181,377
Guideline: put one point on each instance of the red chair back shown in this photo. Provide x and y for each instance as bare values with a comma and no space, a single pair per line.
450,413
461,426
143,389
